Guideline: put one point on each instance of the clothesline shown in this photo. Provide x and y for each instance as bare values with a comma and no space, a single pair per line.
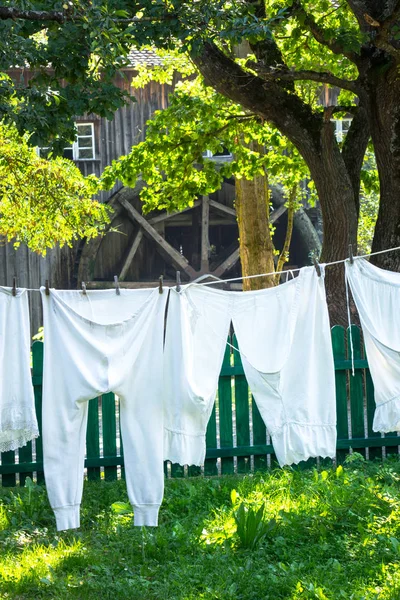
335,262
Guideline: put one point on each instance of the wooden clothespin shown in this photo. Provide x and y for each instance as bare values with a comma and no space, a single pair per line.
317,267
351,254
178,281
83,288
117,288
160,284
47,290
14,286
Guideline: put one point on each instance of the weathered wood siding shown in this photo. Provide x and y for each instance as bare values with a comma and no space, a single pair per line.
115,138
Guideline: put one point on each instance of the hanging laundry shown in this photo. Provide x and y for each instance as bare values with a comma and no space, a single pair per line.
96,343
18,424
196,333
284,338
376,294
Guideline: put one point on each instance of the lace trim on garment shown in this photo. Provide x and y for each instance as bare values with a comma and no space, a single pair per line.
24,435
18,425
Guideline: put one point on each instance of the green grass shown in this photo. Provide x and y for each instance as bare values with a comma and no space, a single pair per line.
290,534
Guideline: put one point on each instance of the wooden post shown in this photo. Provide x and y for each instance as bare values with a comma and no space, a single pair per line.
205,241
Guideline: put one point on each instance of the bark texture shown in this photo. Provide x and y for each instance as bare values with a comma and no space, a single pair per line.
255,243
384,116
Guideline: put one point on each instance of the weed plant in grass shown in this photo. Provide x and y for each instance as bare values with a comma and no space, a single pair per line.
286,534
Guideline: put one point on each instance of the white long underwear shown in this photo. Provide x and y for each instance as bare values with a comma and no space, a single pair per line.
97,343
284,339
285,343
376,293
18,424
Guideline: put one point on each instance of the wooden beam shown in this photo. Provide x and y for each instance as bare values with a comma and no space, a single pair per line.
277,213
205,241
164,248
165,216
225,210
227,264
131,254
129,285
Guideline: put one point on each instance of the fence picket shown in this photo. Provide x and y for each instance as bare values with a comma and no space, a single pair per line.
339,352
37,377
356,389
24,457
259,436
92,438
210,464
241,411
225,413
109,425
8,479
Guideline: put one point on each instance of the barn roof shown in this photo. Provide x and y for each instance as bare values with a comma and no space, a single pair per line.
146,57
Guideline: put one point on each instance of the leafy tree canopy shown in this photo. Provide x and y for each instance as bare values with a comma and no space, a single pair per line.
44,202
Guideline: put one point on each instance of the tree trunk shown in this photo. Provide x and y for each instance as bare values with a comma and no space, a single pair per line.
384,117
339,216
256,248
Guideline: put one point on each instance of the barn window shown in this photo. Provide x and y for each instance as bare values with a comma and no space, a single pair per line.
223,154
342,127
83,146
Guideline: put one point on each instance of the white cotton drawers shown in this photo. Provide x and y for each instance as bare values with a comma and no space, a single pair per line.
18,424
284,339
376,293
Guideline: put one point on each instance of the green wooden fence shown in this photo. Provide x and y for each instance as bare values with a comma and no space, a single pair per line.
237,439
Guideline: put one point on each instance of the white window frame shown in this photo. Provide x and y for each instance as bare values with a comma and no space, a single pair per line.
340,133
209,154
75,145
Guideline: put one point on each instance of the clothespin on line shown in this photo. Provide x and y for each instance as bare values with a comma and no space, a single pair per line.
178,281
14,286
317,267
46,285
160,284
351,254
117,288
84,288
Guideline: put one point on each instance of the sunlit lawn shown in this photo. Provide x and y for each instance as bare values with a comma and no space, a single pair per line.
328,534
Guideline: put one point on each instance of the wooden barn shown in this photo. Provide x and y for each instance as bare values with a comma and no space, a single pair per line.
138,249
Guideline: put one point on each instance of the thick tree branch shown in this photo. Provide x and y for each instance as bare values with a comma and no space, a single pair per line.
31,15
61,17
354,148
359,9
384,39
367,11
320,34
269,99
289,75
